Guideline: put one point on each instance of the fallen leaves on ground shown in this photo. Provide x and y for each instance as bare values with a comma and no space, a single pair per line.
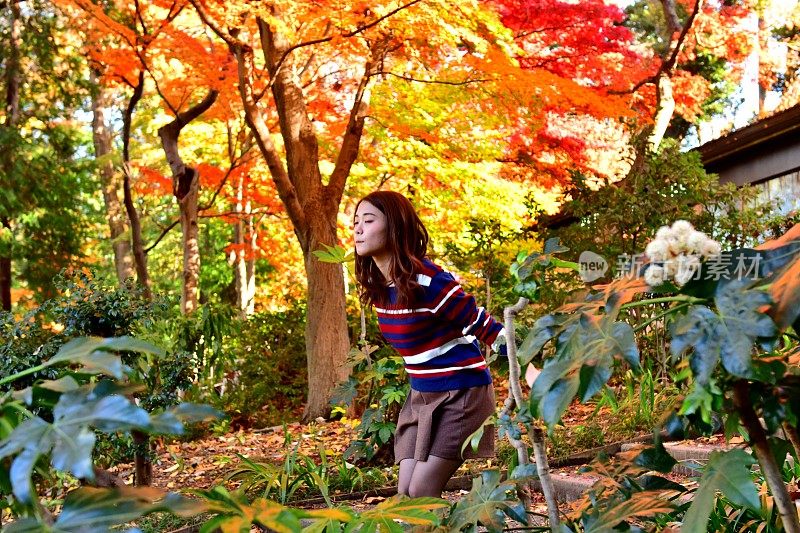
203,463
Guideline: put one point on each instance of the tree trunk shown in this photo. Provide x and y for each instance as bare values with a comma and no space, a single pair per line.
762,49
5,271
186,188
766,459
326,334
241,276
143,466
187,194
515,393
487,274
12,118
677,37
143,470
12,66
327,341
250,267
666,108
111,183
139,255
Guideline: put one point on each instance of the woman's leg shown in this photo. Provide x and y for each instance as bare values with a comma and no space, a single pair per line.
428,478
404,475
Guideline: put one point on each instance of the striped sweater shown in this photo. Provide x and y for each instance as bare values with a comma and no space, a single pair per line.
437,335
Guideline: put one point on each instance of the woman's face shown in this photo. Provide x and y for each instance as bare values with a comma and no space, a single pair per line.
369,230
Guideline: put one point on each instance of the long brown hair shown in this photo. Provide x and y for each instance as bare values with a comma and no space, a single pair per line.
407,244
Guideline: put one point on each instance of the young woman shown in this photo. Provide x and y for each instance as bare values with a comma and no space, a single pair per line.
427,317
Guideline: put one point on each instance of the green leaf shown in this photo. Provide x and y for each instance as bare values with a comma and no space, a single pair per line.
553,246
386,515
69,439
726,472
333,254
30,431
64,384
741,324
28,524
558,398
572,265
90,509
345,392
640,504
173,419
728,336
592,378
487,503
73,453
527,471
474,440
701,400
526,289
543,330
625,343
553,370
20,474
656,458
109,413
698,328
93,353
658,483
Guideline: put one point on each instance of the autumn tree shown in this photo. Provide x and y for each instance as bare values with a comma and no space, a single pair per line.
305,71
131,44
698,48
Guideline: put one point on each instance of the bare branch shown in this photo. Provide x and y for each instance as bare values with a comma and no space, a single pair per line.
231,41
668,64
163,234
437,82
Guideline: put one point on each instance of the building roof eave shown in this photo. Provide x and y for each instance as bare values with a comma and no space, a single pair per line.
780,124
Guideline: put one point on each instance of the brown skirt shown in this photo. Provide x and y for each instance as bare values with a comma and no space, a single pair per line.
438,423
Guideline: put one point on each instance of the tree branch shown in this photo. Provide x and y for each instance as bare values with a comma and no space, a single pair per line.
230,40
437,82
766,459
162,235
263,137
348,152
174,223
353,33
669,63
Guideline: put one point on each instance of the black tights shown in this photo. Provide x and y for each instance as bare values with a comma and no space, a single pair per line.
425,478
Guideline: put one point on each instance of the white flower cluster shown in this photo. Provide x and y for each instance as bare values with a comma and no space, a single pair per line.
676,253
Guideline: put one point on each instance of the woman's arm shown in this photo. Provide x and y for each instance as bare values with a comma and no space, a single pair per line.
450,303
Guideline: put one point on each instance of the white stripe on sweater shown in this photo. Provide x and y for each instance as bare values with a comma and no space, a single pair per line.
426,356
477,319
448,369
419,310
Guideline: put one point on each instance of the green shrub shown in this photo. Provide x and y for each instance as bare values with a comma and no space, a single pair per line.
375,391
89,305
48,433
257,374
